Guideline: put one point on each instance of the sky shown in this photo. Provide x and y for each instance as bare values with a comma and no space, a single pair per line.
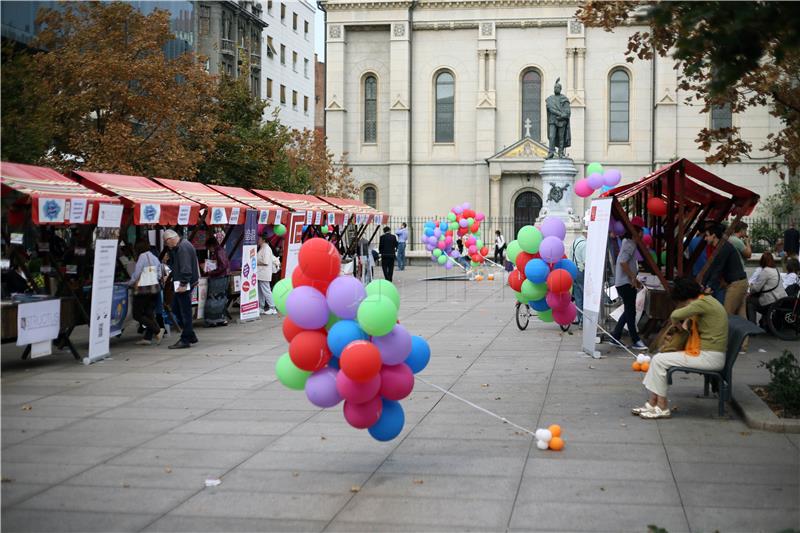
319,34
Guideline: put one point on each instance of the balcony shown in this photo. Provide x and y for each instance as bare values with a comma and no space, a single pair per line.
228,47
255,60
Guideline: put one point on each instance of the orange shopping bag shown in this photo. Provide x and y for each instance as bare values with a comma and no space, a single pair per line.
693,342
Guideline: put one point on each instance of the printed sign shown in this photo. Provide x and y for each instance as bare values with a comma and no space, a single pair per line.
149,213
16,238
51,210
379,219
263,216
218,215
109,216
331,218
248,293
309,218
234,216
278,215
183,214
38,321
77,211
318,218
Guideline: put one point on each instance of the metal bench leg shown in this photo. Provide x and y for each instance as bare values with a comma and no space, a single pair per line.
706,381
724,389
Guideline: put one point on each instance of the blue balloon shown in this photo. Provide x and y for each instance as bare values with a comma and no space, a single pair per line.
334,363
443,226
536,270
391,422
646,231
567,265
605,188
430,224
539,305
343,333
429,232
305,227
420,354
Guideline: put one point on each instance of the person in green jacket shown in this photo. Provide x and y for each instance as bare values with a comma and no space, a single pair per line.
712,325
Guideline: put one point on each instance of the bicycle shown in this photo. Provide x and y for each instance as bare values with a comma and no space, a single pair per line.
783,318
524,313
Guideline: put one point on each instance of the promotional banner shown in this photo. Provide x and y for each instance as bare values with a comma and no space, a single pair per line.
294,239
248,292
38,324
596,243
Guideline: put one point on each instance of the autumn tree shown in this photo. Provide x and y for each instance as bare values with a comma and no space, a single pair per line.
739,55
310,159
119,105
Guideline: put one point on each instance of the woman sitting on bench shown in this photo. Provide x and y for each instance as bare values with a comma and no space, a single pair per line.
702,316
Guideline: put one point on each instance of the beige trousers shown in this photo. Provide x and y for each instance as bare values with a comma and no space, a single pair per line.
736,302
656,378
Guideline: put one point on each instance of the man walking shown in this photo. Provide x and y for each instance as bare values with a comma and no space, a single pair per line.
265,260
185,275
791,240
728,270
741,241
402,238
499,247
387,247
579,258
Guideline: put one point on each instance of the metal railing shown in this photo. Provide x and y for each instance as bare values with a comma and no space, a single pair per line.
228,46
488,227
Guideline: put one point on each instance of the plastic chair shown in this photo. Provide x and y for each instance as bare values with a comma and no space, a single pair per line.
738,330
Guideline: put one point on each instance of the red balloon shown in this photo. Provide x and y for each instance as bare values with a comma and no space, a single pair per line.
319,259
300,279
566,315
360,360
469,213
475,257
462,232
290,329
559,280
475,228
522,260
485,251
363,415
515,280
309,350
397,381
647,240
657,207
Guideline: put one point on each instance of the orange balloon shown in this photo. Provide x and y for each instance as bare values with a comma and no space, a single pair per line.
555,430
636,366
556,443
645,366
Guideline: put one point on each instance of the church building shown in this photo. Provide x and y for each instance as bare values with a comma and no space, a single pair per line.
438,102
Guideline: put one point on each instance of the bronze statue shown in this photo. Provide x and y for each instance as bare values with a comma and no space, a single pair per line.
558,132
556,193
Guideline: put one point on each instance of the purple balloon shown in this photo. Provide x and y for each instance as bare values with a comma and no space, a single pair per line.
307,308
321,388
465,205
551,249
429,247
639,255
448,266
457,210
619,228
463,223
612,177
454,254
554,227
595,180
395,346
344,294
437,233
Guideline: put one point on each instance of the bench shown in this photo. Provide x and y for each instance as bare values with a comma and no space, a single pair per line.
738,330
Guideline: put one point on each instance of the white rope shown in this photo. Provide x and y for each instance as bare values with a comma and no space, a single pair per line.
610,336
478,407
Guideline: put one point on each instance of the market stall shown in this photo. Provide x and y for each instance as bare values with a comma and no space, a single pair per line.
359,216
49,200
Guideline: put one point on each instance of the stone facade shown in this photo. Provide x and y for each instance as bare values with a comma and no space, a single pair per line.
488,45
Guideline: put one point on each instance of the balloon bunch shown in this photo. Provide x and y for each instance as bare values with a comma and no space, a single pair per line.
597,178
345,342
440,236
543,275
642,363
550,438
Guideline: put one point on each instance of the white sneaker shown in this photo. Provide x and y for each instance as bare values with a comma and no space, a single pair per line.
656,413
270,312
639,345
643,409
263,312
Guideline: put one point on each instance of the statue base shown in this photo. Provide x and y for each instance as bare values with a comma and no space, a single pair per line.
558,183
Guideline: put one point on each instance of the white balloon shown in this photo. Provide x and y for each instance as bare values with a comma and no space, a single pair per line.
544,435
647,358
542,445
640,358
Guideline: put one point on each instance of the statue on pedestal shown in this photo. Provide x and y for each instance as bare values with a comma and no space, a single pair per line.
558,131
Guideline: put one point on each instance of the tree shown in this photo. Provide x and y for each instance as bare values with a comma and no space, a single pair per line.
310,158
119,105
742,56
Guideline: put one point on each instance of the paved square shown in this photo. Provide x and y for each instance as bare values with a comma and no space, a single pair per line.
127,444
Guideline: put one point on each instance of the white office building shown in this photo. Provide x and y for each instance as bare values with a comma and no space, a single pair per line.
288,61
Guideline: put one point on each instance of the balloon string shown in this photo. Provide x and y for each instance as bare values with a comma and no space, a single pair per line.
610,336
478,407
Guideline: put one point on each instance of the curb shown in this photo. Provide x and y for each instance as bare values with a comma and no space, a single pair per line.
758,415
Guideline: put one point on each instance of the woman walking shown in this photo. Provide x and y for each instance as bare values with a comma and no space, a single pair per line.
626,283
146,291
266,264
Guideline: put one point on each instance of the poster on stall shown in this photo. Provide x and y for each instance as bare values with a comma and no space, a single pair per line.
248,292
596,243
38,324
294,239
105,258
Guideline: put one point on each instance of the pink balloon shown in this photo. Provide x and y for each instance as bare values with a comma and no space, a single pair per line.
473,249
471,241
565,316
479,217
583,189
397,381
356,392
558,300
363,415
647,240
441,245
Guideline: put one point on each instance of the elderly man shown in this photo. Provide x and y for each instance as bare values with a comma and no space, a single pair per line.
185,275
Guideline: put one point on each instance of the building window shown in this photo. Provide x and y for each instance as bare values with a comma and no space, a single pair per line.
283,94
531,104
305,29
283,13
255,85
294,21
305,105
269,7
619,99
205,20
370,109
269,88
370,196
294,61
294,99
721,117
305,67
270,48
445,109
283,54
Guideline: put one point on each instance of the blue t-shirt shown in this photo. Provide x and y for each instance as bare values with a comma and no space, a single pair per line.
402,235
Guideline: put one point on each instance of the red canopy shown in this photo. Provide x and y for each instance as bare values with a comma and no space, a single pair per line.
268,212
151,202
362,213
55,199
220,209
314,208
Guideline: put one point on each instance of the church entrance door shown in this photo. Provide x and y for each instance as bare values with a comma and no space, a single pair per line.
526,209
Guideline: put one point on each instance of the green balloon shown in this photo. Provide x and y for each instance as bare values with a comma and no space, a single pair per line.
332,319
382,287
279,229
442,259
474,263
453,226
280,292
546,316
478,243
513,251
534,291
654,256
470,221
324,230
664,257
288,374
529,239
520,297
451,217
377,314
594,168
437,252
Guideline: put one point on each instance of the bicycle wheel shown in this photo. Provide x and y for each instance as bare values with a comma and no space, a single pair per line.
783,319
523,316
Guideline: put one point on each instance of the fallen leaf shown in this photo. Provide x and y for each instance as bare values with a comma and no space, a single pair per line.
168,469
295,474
602,488
5,479
498,398
126,486
26,407
745,433
418,482
355,488
484,385
322,437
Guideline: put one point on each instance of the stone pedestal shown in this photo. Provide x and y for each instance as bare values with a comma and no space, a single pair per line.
558,183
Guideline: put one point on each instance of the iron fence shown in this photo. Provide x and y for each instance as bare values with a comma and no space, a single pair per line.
506,225
765,232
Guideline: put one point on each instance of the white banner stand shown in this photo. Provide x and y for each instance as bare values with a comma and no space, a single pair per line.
594,273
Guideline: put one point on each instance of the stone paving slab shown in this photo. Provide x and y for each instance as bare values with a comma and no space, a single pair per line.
127,444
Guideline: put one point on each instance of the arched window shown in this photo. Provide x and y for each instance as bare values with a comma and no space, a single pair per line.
370,196
721,117
370,109
619,101
445,109
531,104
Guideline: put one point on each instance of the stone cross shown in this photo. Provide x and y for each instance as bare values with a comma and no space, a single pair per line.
527,127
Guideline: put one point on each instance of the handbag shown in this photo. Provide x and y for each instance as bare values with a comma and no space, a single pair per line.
693,342
148,280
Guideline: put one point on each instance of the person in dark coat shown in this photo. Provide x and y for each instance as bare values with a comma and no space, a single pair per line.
185,274
387,247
